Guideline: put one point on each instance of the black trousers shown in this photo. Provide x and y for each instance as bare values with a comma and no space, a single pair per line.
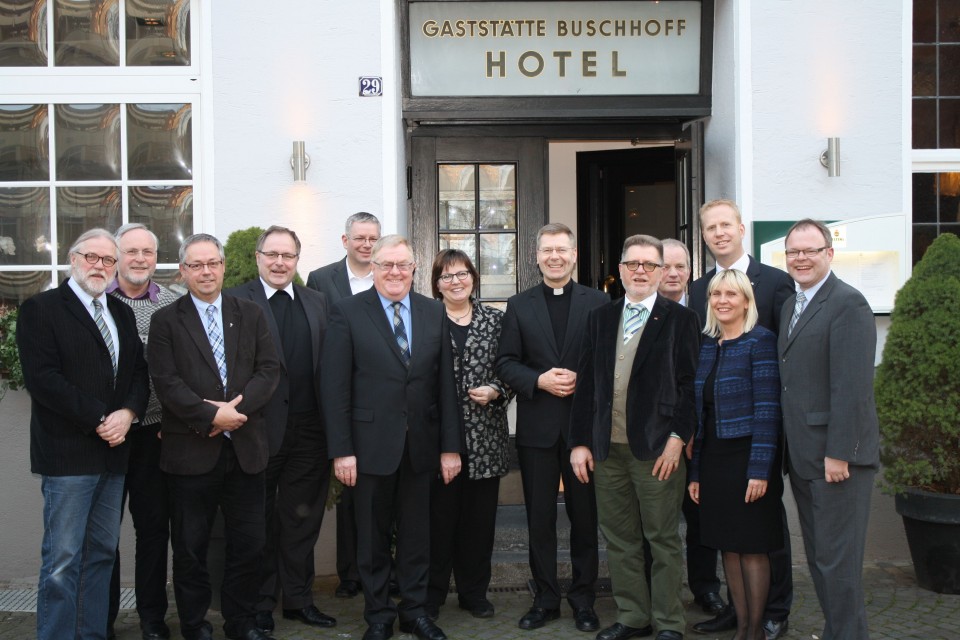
540,471
377,499
193,505
347,538
297,478
145,494
463,517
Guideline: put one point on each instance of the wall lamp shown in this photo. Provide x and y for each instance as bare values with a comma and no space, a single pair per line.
830,158
299,161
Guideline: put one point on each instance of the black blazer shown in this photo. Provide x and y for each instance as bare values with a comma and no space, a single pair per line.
373,404
528,348
660,393
69,374
771,287
333,281
315,308
185,374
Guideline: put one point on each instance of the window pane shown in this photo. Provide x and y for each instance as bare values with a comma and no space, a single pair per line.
924,71
949,205
498,196
949,70
23,33
949,123
82,208
168,212
924,123
924,20
924,197
17,286
24,142
25,226
88,141
457,198
86,33
158,32
498,265
170,278
465,242
159,139
949,20
923,235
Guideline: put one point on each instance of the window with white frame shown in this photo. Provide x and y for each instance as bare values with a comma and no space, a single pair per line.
98,111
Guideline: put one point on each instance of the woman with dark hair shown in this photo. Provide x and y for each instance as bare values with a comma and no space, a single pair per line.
732,472
463,513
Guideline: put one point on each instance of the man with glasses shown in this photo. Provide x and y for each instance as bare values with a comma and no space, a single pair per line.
298,473
342,279
214,368
84,368
145,487
723,233
633,412
827,346
392,426
539,351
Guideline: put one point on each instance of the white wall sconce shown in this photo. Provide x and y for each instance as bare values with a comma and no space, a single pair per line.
830,158
299,161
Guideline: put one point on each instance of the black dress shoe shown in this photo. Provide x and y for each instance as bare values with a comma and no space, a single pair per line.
154,630
424,629
725,621
586,619
378,631
537,617
775,628
480,609
710,602
618,631
310,615
205,632
251,634
347,589
264,621
669,635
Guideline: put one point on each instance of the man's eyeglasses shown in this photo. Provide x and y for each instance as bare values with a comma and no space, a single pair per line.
197,267
459,275
388,266
793,254
560,251
93,258
146,253
633,265
364,239
273,255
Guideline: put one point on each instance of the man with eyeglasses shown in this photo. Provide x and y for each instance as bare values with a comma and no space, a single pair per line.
540,346
393,425
723,233
827,346
342,279
633,412
214,368
298,473
145,490
83,365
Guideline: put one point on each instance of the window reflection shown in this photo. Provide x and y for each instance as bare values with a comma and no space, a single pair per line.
82,208
498,265
457,201
88,141
168,212
498,193
17,286
464,242
25,226
158,32
24,142
86,33
159,139
23,33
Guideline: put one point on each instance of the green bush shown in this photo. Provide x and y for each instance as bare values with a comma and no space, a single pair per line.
918,382
241,263
10,370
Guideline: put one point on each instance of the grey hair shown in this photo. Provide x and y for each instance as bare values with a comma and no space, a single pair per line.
361,217
673,242
641,240
392,240
194,239
132,226
96,232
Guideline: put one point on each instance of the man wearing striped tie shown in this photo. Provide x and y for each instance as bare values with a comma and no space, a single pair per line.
214,368
84,368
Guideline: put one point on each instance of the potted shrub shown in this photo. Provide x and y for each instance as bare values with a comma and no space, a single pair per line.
918,404
11,375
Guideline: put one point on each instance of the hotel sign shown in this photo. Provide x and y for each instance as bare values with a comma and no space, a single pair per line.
554,48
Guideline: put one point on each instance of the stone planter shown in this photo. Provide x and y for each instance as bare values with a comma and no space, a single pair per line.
932,524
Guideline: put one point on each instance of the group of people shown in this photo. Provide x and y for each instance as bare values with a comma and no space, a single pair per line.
645,407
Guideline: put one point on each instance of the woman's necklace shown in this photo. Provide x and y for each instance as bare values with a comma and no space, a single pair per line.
457,319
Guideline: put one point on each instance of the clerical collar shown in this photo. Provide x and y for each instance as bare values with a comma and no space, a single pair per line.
550,291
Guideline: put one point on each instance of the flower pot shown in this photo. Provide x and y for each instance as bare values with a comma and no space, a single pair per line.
932,524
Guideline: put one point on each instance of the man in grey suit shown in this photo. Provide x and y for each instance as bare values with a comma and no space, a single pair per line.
341,279
827,345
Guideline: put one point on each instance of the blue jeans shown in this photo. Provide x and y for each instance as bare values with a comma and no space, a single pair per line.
81,528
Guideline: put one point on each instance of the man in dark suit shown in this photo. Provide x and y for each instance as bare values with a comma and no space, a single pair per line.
298,473
723,232
392,420
84,368
539,351
632,415
827,346
214,368
341,279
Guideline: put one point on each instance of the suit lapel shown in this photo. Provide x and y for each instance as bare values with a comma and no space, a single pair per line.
76,307
341,279
312,310
231,331
575,321
651,331
539,305
193,325
256,293
753,272
810,312
379,319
